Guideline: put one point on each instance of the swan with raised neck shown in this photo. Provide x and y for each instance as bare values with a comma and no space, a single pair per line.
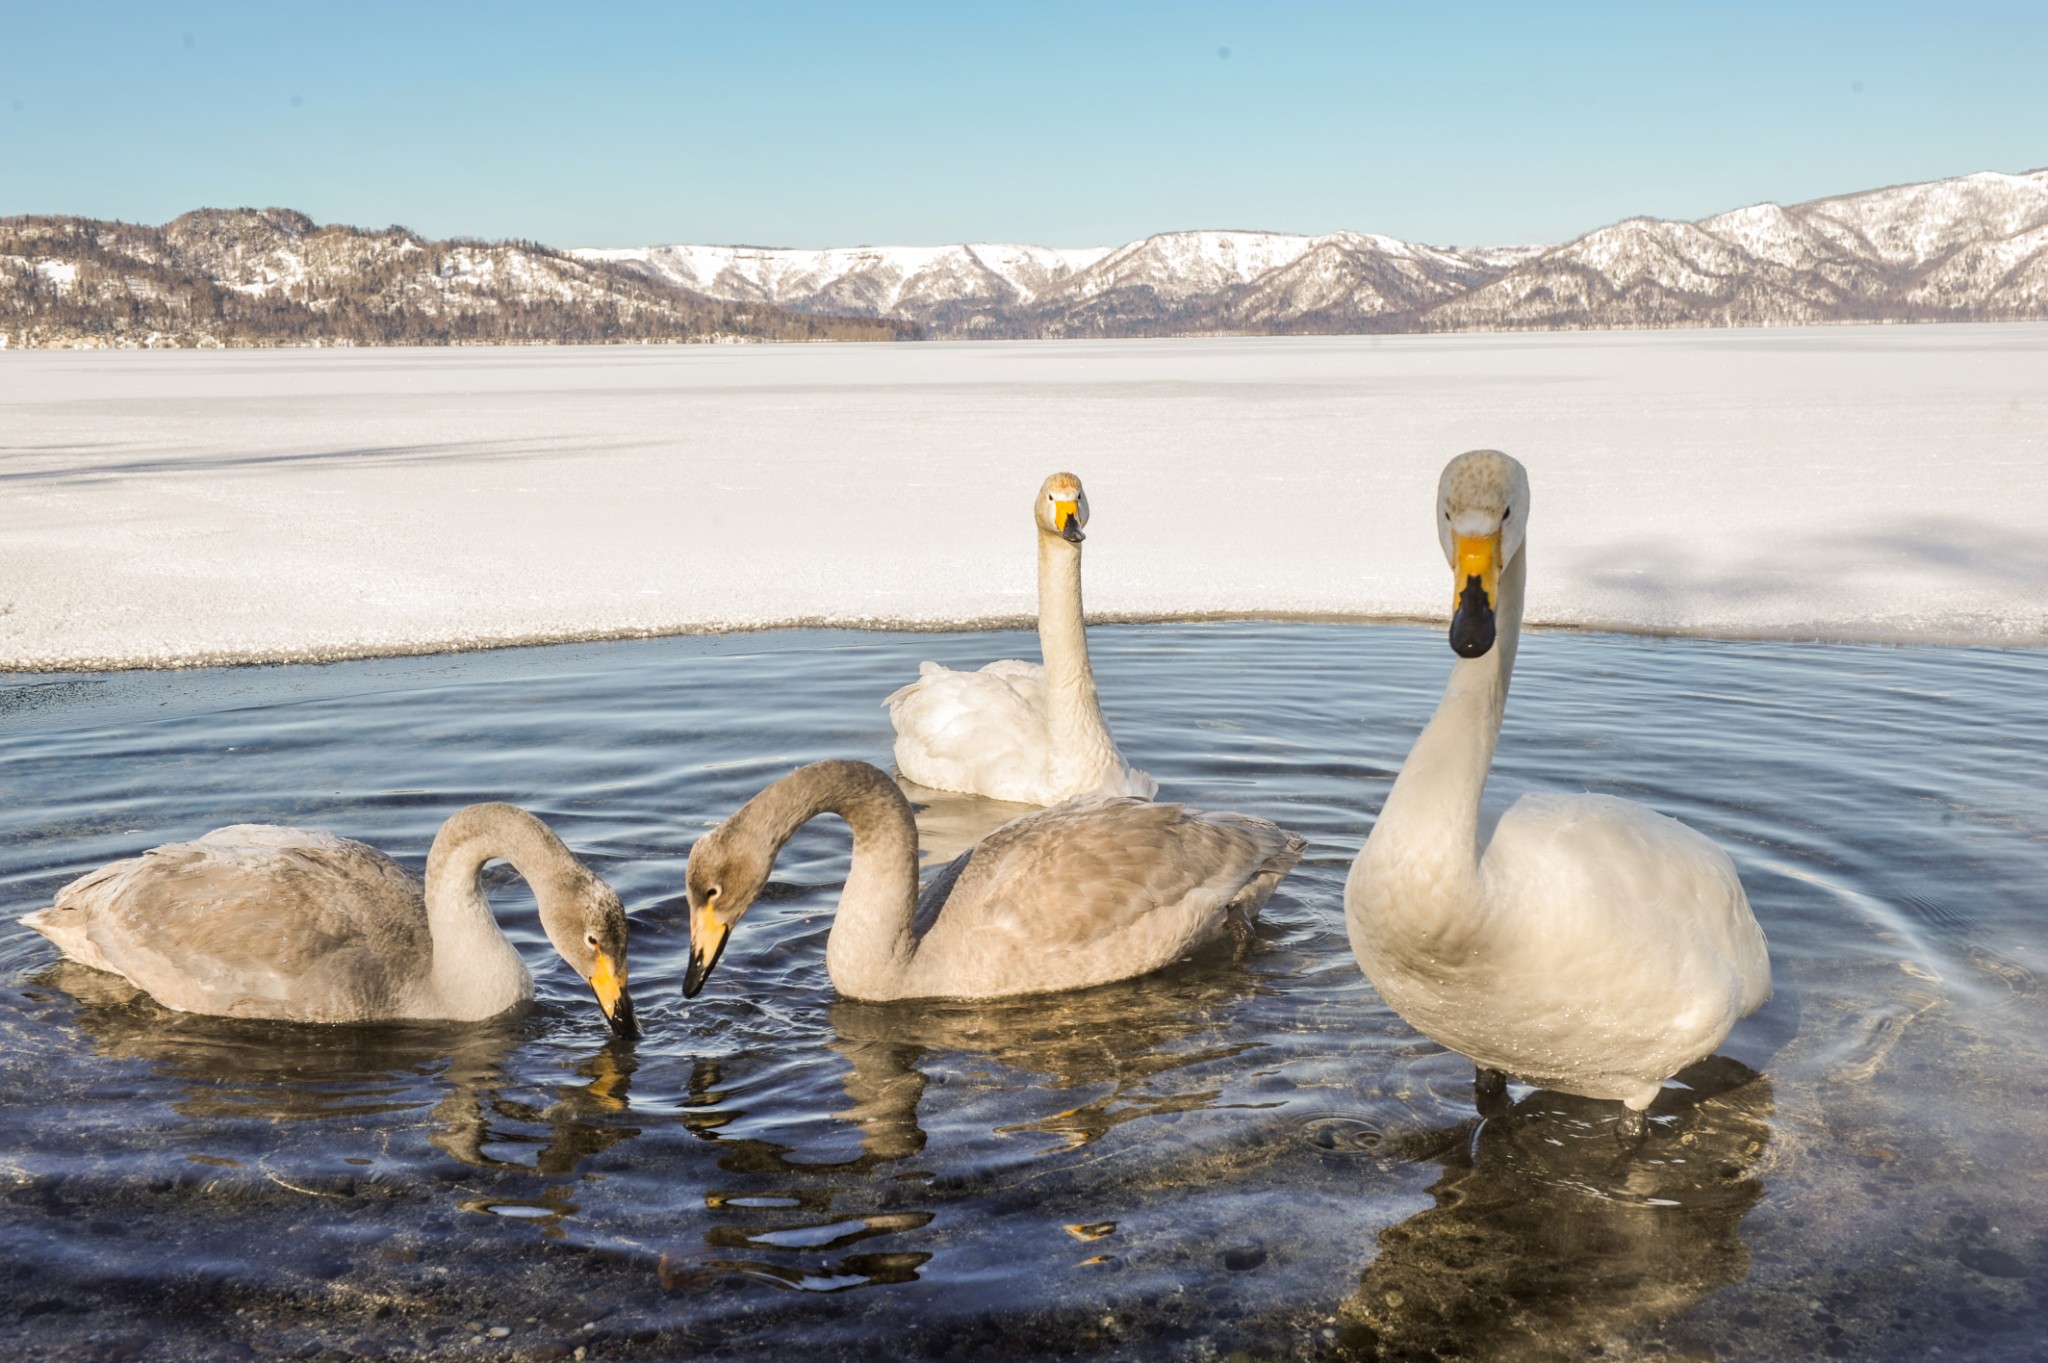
256,920
1592,945
1024,732
1077,895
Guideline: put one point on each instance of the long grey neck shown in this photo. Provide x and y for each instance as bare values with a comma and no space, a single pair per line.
475,967
871,943
1073,711
1431,817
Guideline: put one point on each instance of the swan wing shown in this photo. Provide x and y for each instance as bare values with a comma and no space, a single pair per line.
1098,890
1620,929
981,733
253,921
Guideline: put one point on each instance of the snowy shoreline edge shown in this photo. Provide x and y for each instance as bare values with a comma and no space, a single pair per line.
1819,635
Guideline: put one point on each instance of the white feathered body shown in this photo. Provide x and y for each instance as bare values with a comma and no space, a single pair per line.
1022,732
1595,946
990,733
1603,948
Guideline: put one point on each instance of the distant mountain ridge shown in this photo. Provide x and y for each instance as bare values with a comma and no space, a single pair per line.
274,277
1970,248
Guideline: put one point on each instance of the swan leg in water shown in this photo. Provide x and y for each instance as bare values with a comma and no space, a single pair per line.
259,921
1592,946
1020,731
1490,1092
1081,894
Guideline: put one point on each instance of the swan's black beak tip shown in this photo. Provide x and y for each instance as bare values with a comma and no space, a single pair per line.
1071,531
702,962
1472,628
621,1018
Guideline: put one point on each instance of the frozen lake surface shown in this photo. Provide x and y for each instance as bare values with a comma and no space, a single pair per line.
1856,482
1226,1156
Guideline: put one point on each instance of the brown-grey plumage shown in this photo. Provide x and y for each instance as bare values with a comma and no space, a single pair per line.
267,922
1080,894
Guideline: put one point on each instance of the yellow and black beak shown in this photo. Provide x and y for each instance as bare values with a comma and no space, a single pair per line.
707,944
608,982
1066,518
1477,565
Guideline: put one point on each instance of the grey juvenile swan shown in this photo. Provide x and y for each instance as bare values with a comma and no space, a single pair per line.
258,921
1077,895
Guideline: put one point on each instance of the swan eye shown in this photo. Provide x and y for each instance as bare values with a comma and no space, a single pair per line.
1505,514
590,938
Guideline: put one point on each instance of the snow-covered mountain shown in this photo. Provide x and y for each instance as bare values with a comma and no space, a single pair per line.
1975,247
1971,248
1173,282
863,280
274,277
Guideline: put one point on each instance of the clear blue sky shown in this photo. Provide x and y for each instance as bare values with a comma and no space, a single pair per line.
1064,124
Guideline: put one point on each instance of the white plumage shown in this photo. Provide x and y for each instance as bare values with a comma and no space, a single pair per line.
1014,730
1594,946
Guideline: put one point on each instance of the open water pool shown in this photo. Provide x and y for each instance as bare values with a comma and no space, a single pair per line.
1230,1159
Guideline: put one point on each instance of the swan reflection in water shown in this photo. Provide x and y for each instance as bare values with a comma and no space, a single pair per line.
1551,1240
235,1070
948,824
1052,1072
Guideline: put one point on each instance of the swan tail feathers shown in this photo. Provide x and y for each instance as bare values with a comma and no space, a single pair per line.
1281,851
926,671
68,928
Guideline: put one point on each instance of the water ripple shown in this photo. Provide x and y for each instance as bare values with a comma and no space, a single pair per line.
1231,1154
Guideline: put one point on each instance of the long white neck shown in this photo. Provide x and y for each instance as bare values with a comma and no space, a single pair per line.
1078,736
871,944
1421,863
477,973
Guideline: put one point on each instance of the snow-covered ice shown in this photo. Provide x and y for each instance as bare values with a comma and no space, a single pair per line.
1866,482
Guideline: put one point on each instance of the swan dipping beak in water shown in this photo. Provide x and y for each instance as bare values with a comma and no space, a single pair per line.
1592,946
259,921
1081,894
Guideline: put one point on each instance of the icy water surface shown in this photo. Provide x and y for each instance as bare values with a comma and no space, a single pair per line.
1230,1156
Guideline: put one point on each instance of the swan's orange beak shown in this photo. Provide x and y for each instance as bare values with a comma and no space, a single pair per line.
1476,593
608,982
1477,556
707,944
1066,518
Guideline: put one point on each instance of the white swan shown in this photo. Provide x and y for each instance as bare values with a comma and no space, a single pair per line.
1594,947
258,921
1078,895
1014,730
